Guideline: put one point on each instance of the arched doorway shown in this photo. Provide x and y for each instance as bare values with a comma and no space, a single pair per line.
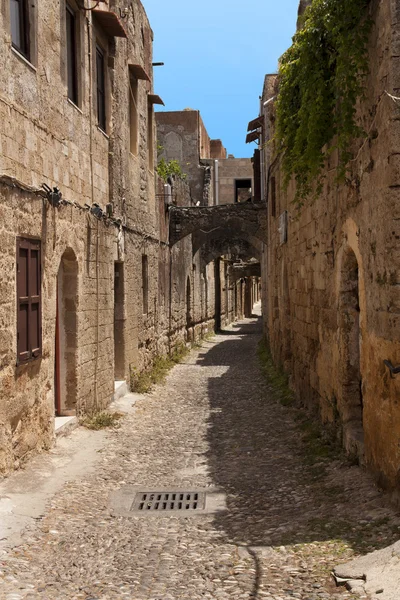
119,321
217,293
286,319
188,306
65,372
351,401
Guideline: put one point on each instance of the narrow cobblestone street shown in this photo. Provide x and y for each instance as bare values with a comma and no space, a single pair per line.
217,422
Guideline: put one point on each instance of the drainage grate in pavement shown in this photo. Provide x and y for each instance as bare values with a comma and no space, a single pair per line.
136,501
168,501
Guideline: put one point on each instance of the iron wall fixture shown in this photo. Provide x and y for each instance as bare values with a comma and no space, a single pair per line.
96,211
83,7
54,196
393,370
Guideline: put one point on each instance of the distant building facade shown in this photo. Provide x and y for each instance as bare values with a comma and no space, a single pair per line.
214,180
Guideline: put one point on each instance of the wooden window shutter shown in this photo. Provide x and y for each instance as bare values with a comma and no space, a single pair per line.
29,319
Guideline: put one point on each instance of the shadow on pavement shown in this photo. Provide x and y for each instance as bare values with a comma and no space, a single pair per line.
256,454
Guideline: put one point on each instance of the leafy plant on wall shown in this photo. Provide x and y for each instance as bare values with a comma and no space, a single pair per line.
321,78
166,169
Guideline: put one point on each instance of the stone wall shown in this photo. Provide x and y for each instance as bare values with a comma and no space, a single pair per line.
44,137
119,291
217,150
230,171
183,137
331,293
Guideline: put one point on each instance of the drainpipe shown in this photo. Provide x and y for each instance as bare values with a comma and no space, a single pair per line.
216,182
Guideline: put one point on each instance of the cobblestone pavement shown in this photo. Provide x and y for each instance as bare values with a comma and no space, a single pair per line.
292,511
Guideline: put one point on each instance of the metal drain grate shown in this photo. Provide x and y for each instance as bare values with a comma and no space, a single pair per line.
168,501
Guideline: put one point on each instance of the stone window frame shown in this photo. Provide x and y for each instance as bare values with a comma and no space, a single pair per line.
79,53
236,188
28,56
133,84
101,41
150,136
101,104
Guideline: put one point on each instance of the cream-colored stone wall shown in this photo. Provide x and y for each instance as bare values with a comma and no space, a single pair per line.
331,293
91,268
45,138
230,170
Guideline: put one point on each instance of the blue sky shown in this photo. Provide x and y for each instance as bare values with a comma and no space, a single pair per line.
216,54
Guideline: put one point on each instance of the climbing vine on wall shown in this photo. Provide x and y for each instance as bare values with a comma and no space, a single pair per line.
321,77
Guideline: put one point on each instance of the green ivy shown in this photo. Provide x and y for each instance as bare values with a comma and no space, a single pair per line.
321,78
166,169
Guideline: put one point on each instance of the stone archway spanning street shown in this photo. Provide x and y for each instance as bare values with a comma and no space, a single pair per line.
213,247
250,269
233,230
246,218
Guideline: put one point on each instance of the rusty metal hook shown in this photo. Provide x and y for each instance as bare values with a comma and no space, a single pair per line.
123,13
393,370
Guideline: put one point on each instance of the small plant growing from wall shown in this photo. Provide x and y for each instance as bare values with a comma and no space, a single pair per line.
321,79
166,169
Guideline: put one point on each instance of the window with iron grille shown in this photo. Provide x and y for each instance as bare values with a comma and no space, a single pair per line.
101,88
29,318
72,63
19,16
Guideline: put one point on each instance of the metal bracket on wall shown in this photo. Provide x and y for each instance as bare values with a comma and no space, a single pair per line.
393,370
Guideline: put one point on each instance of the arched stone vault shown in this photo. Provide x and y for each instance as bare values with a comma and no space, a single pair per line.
246,220
249,269
220,246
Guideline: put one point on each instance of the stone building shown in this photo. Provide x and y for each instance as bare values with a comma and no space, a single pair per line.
235,181
182,136
91,290
331,270
214,180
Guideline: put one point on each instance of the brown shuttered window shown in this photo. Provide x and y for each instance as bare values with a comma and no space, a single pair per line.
29,318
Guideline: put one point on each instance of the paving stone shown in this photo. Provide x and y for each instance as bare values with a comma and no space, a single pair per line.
216,423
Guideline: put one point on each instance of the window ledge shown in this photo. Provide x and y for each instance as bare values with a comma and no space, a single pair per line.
74,105
103,132
23,59
30,362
